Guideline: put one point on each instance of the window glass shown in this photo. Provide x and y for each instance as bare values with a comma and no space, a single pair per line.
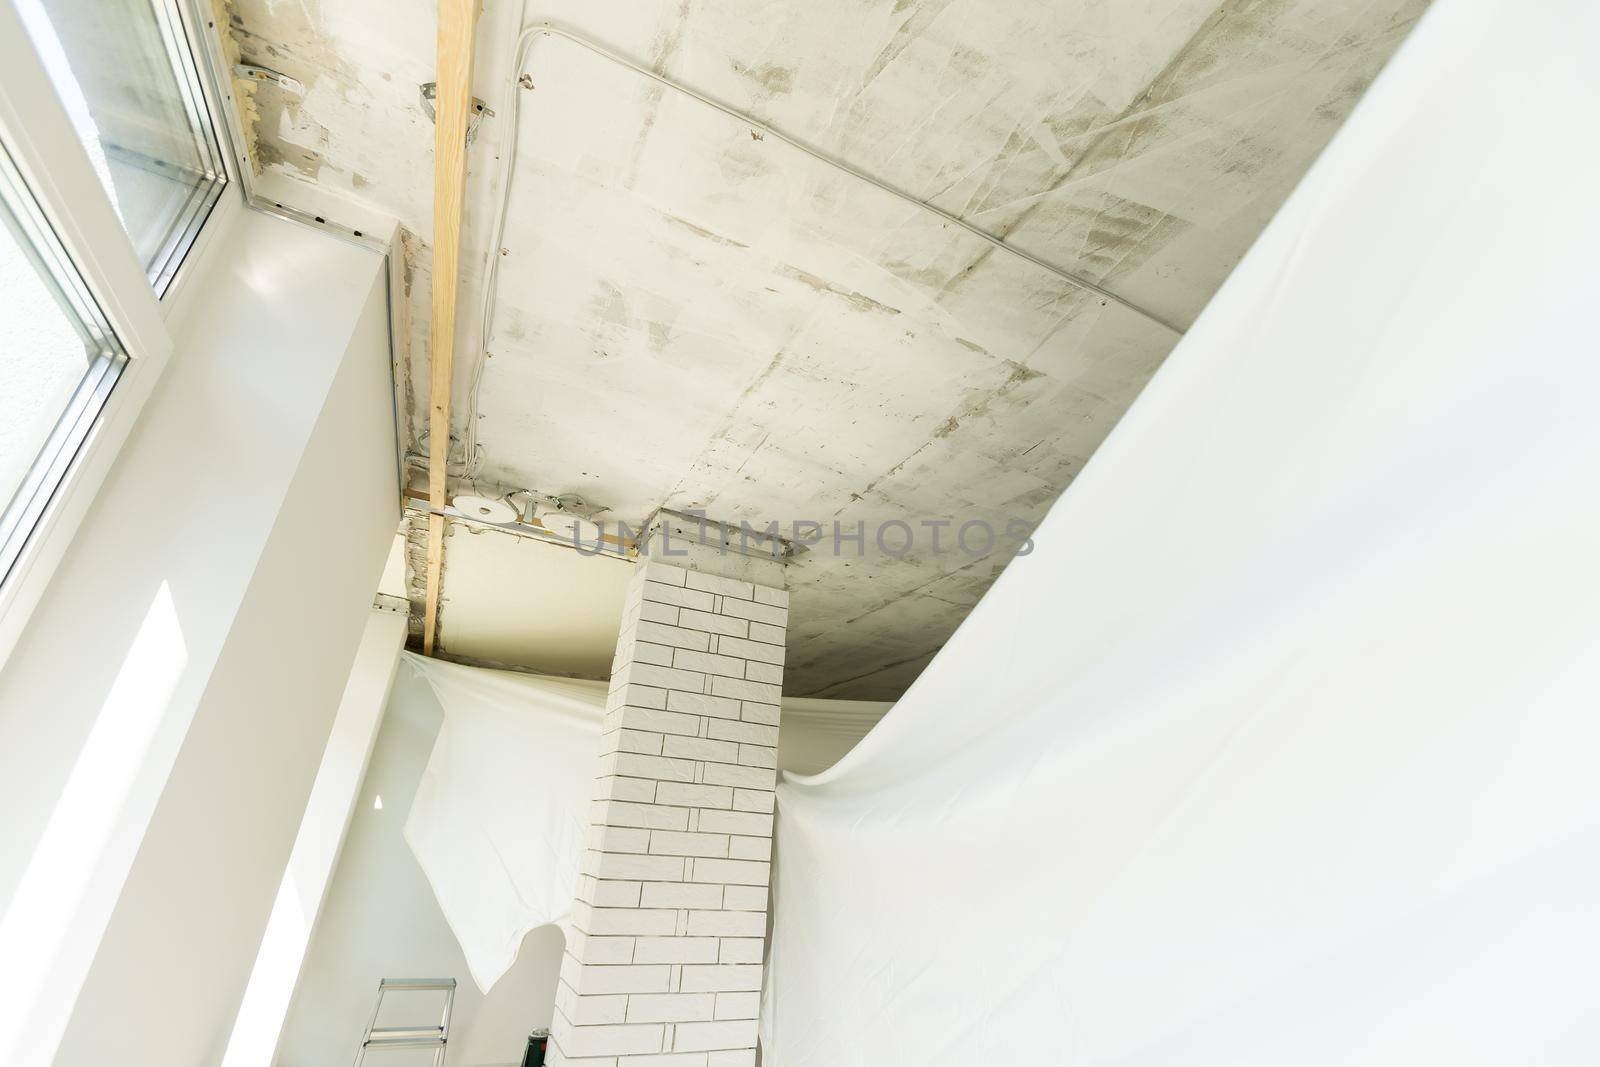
58,361
125,74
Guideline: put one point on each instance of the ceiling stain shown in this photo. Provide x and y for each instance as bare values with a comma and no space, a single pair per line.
773,80
305,161
857,301
922,16
700,231
663,48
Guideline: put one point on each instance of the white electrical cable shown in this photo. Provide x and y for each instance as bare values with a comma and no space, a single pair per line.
512,109
508,169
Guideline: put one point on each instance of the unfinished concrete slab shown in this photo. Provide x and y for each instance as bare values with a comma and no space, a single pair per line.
692,314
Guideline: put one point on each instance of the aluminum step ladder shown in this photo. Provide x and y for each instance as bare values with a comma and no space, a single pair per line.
381,1038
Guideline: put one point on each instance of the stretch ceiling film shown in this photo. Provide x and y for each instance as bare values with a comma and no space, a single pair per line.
1279,748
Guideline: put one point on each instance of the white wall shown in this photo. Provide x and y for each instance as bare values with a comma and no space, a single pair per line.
301,894
381,921
162,716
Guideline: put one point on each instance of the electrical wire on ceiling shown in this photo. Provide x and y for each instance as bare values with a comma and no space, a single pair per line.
507,173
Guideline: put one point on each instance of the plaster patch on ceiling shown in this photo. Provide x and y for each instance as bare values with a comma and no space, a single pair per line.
414,528
411,355
358,117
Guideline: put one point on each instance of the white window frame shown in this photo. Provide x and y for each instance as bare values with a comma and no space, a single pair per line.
45,149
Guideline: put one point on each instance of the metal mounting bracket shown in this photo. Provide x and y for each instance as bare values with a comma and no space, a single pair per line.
480,111
251,72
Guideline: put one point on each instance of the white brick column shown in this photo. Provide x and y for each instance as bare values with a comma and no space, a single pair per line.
664,966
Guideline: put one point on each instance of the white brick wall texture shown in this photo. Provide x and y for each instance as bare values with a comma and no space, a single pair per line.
664,965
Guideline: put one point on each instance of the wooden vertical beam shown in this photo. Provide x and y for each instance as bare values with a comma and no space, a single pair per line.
452,110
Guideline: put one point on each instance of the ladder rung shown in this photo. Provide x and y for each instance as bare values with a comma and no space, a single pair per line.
403,1042
430,1036
417,983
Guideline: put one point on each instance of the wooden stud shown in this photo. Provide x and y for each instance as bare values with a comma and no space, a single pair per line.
452,111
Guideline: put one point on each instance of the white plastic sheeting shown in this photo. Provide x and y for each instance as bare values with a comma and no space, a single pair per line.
500,815
499,819
1280,749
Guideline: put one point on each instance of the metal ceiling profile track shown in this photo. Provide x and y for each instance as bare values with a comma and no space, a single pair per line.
552,29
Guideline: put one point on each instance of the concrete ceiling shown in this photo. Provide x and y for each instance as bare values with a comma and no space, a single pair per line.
693,315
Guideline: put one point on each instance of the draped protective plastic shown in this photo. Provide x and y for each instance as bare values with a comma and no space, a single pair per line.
500,815
501,812
1281,747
